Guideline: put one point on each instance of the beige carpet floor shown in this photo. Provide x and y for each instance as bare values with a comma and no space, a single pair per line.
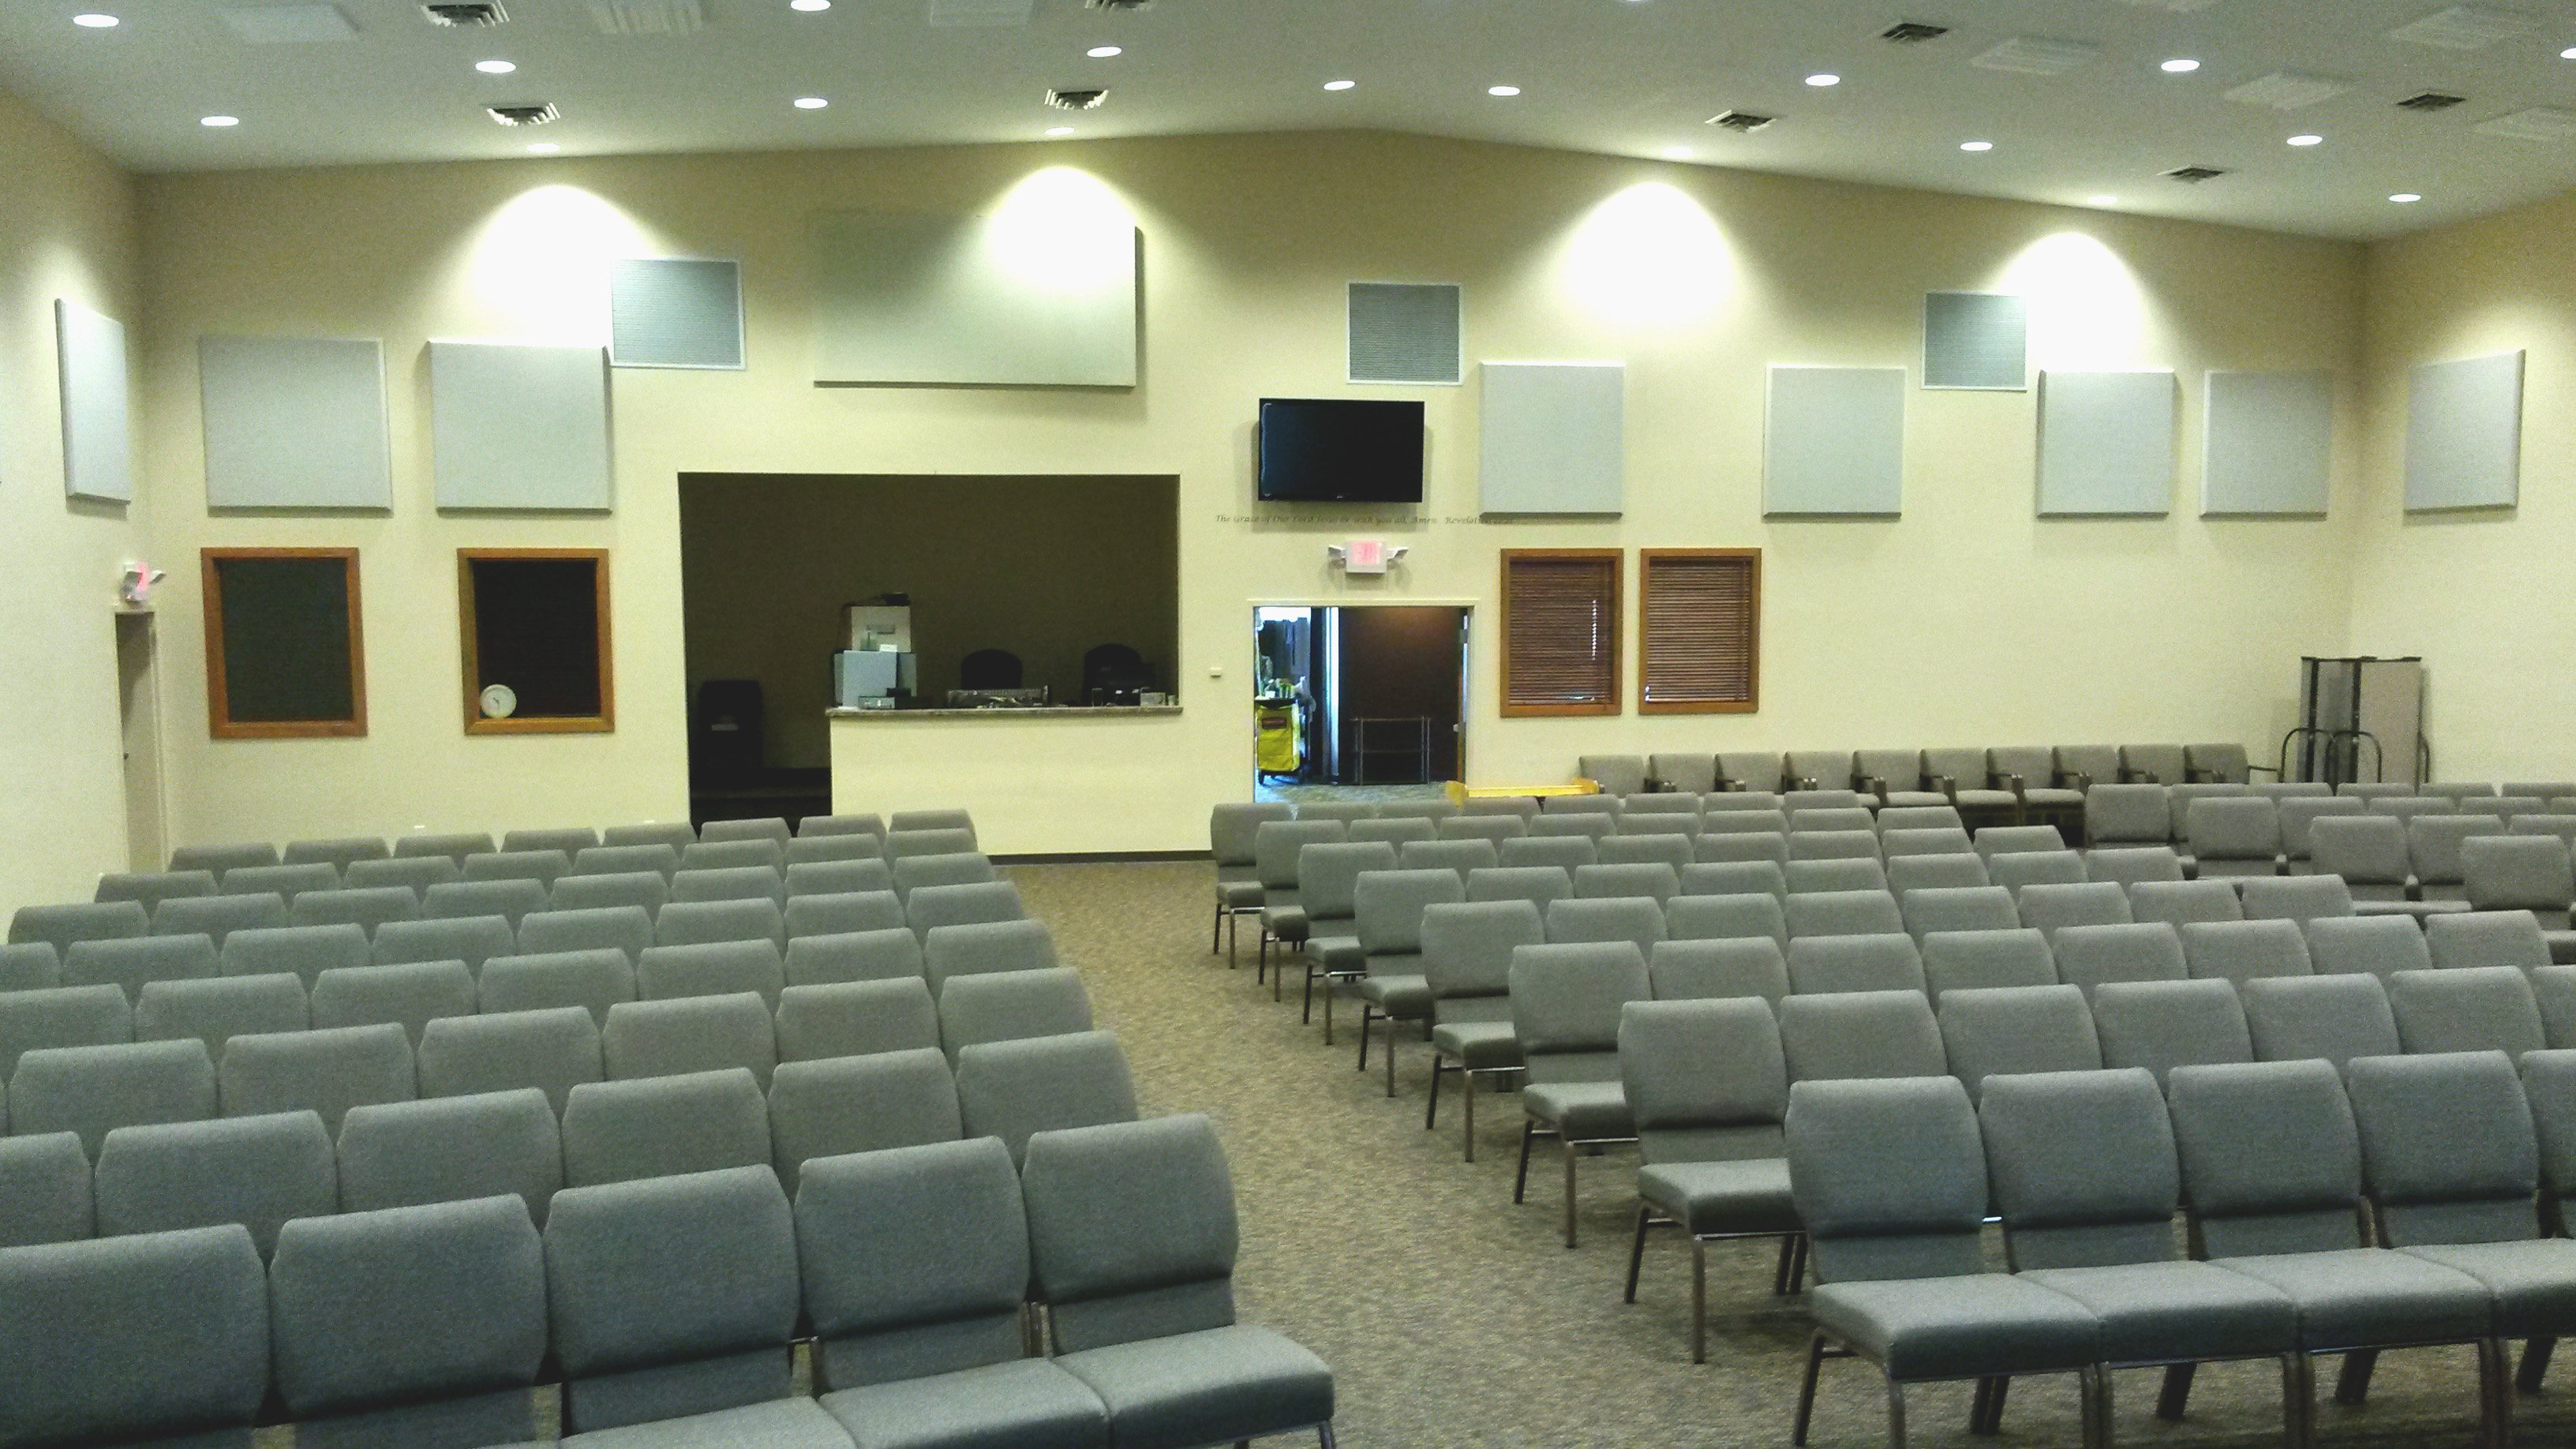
1452,1317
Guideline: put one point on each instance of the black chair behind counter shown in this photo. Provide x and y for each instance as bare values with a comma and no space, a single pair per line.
1114,674
989,669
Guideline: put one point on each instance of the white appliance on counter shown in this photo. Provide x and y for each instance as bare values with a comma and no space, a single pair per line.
871,678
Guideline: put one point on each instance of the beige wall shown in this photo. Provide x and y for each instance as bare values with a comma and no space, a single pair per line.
1967,622
2484,596
66,230
1043,567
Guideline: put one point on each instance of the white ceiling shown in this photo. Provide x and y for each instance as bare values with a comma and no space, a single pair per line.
1632,77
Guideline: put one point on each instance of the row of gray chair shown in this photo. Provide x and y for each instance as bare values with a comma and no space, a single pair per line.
2397,1213
460,846
472,1132
1901,776
914,1268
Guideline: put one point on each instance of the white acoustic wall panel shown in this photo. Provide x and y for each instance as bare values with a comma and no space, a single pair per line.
98,435
1553,438
294,422
2106,443
519,428
1976,342
675,312
2267,444
1002,299
2464,433
1834,441
1406,332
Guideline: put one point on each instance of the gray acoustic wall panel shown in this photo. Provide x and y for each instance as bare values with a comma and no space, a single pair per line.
2267,444
1833,441
2106,443
294,422
1001,299
1976,341
519,428
1553,438
2464,433
97,399
675,312
1406,332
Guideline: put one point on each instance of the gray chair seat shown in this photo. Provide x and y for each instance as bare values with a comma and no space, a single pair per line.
2532,1284
1403,996
1239,895
1914,799
1751,1196
778,1424
1028,1404
2158,1312
1212,1386
2050,797
2360,1297
1288,923
1581,1111
1957,1327
1336,953
1479,1046
1985,799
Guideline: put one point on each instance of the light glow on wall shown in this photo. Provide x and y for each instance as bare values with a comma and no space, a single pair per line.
1649,256
537,271
2087,309
1060,228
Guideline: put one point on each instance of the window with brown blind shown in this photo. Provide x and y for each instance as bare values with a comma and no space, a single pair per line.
1700,612
1561,636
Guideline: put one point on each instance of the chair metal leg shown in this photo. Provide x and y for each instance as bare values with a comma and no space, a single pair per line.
2495,1380
1807,1387
1895,1415
1467,1108
1279,973
1216,929
1390,1058
2535,1364
1306,1007
1368,1013
1233,924
1986,1416
1637,1249
1699,1301
1324,1435
1798,1267
1520,1182
2303,1398
1329,994
2094,1384
2175,1397
2352,1381
1570,1150
1781,1283
1431,1109
1261,958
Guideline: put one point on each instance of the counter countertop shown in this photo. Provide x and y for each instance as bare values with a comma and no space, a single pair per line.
1052,711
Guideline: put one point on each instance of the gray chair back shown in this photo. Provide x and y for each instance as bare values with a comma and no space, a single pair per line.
915,1262
1889,1176
2271,1159
2331,1019
1861,1034
2448,1150
452,1149
2162,1025
2082,1166
1705,1080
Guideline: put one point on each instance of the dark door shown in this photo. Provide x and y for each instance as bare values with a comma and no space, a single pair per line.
1401,663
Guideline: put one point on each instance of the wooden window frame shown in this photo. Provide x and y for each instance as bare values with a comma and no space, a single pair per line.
1752,702
219,721
1613,701
604,722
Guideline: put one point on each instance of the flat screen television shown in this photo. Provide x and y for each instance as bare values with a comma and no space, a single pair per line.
1331,450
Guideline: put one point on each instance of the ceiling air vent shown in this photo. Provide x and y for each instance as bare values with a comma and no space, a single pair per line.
1086,100
466,15
1912,32
2032,56
1117,4
536,113
2430,101
647,17
2194,175
1745,121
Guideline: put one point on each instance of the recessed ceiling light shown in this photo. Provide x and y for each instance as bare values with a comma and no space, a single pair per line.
1104,52
95,20
2101,201
811,103
2180,65
2406,198
1976,145
2568,54
1502,90
1824,78
1059,130
544,148
1339,85
219,122
1677,153
2307,140
495,67
809,7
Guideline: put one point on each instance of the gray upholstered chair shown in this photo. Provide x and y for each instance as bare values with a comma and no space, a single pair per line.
1861,1034
1719,918
712,968
2523,873
2297,814
2434,845
836,1106
1919,817
218,917
699,922
1890,1179
217,1010
2271,1169
287,881
1669,848
1833,844
726,854
1995,840
1706,1083
920,872
628,929
2241,951
255,1171
513,900
884,954
731,883
1328,877
594,980
1991,1032
975,948
61,1016
1896,777
2086,1180
1976,960
325,1071
1842,913
370,907
1651,880
764,828
1958,908
1965,776
1493,828
1277,845
1750,846
915,1262
1927,872
688,1035
2094,956
853,848
2296,898
1712,970
703,1354
1013,1089
1010,1006
2126,814
1639,922
554,1050
1461,856
455,845
2459,939
1750,771
410,995
92,1090
303,951
2180,902
839,913
1394,830
1729,878
1132,1238
619,1131
2016,870
568,839
221,858
2161,764
131,964
661,860
1467,951
1823,965
1559,852
2234,835
415,873
2319,1018
861,1018
1566,1000
149,889
1770,821
949,819
2379,945
470,939
1688,772
1803,877
2218,764
1390,982
2162,1025
2130,865
2469,1009
542,864
30,966
1615,774
2029,772
45,1191
188,1311
349,1298
2369,852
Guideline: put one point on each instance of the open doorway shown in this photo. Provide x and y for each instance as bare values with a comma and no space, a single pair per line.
138,699
1360,701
